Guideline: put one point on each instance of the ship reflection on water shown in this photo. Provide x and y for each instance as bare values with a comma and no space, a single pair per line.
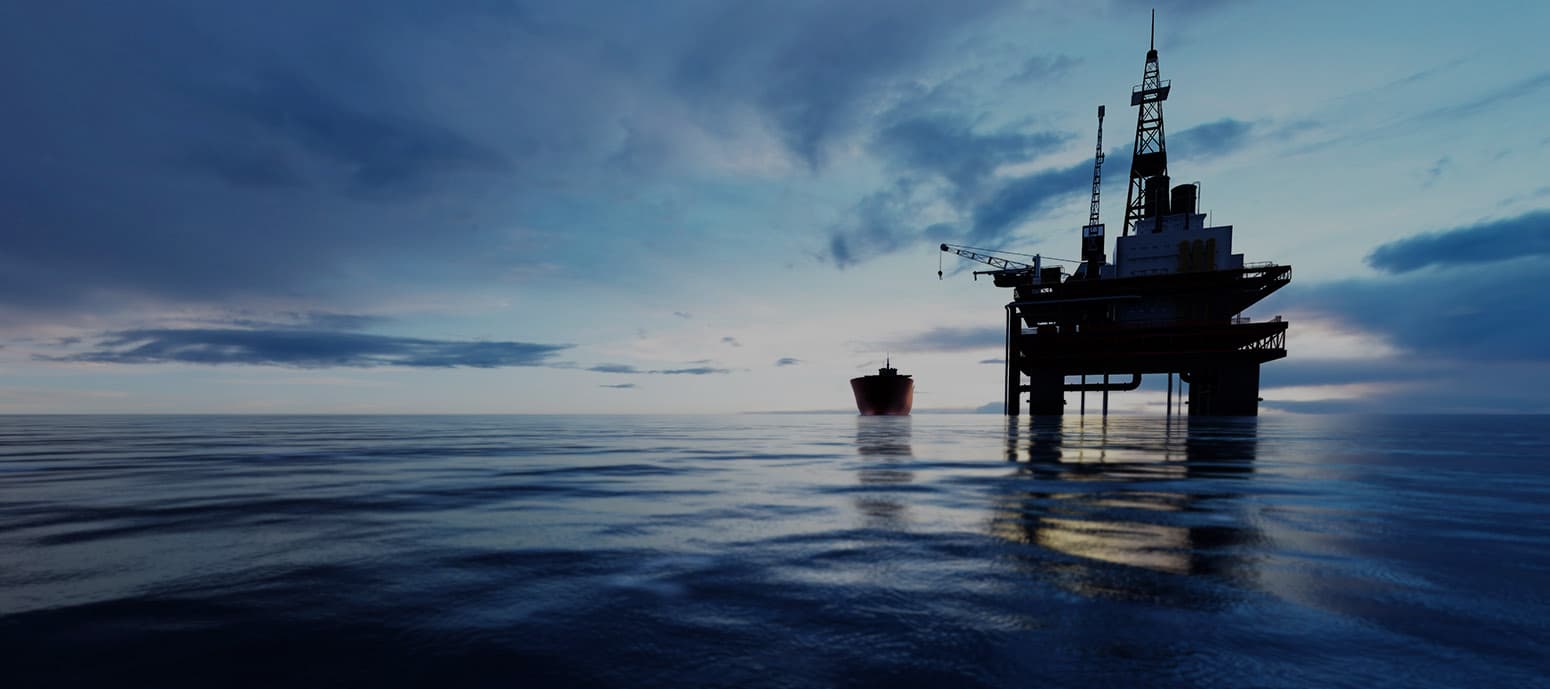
1129,492
883,442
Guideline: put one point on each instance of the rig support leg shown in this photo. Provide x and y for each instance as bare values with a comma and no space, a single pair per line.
1046,392
1228,389
1012,399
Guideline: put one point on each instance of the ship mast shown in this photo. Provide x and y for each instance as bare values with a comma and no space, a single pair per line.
1150,156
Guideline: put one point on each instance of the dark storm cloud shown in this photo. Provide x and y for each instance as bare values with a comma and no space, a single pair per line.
787,361
305,349
1295,371
1481,314
195,153
376,151
1486,242
953,340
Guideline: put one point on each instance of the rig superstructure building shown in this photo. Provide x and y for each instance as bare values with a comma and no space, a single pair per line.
1171,302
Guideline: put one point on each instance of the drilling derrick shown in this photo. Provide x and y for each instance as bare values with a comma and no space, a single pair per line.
1148,193
1171,302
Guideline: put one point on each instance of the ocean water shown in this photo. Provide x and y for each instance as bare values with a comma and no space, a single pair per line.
774,551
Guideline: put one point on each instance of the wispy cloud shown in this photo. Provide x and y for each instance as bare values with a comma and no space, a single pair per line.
953,340
1523,88
1040,68
304,349
787,361
619,386
731,341
633,370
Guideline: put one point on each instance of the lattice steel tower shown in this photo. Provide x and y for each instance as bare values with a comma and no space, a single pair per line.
1092,232
1150,157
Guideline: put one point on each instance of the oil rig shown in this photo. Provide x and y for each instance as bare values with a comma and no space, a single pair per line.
1170,303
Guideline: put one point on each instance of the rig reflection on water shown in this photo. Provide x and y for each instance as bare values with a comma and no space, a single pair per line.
1120,502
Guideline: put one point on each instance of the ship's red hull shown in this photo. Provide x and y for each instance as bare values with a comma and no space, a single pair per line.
884,395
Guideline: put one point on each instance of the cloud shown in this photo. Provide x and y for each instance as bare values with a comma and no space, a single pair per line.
1460,314
295,348
1173,8
693,371
1486,242
371,150
947,146
816,67
787,361
683,314
953,340
632,370
993,361
301,150
1023,198
1209,140
619,386
1040,68
948,169
1526,87
731,341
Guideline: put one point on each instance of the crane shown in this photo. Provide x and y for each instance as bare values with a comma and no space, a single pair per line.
1092,234
1011,272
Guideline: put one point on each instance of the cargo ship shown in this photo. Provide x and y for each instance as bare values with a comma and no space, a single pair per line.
885,394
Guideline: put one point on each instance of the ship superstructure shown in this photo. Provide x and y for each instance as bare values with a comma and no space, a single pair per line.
1171,301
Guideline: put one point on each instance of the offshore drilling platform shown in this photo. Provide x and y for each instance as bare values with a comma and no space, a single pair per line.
1170,303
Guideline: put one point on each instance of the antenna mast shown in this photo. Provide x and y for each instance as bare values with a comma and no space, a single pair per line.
1092,233
1148,195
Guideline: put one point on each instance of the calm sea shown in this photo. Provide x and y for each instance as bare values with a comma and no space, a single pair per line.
773,551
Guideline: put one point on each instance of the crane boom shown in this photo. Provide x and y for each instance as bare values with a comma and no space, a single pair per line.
1011,272
997,261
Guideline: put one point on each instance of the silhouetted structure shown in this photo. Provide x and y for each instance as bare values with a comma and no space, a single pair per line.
1170,303
885,394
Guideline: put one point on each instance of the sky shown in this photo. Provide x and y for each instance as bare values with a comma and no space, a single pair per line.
494,206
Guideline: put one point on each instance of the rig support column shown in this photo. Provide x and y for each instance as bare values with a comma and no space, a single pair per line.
1228,389
1013,400
1046,392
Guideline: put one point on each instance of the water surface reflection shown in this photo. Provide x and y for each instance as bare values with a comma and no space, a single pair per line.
1113,501
883,442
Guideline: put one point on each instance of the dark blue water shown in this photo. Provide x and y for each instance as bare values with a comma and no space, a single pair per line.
773,551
